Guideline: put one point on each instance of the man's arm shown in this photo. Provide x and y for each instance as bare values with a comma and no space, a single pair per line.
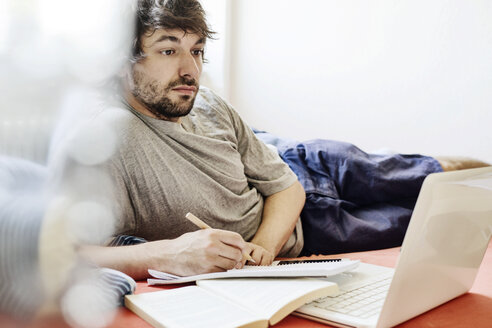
202,251
280,214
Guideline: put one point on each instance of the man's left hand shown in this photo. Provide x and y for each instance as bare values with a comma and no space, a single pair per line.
259,254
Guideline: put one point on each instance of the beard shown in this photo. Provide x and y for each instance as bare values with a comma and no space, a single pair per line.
156,98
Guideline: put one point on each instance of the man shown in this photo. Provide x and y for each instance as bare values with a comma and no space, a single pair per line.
183,149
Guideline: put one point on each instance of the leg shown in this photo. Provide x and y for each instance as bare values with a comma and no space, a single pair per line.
342,171
332,226
355,201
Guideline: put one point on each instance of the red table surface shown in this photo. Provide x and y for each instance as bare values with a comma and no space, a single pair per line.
473,309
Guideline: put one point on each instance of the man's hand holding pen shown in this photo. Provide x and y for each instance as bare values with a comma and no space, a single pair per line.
202,251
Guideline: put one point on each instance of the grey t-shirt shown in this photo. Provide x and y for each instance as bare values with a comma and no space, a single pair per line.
210,164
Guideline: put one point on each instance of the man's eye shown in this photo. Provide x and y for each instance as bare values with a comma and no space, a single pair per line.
198,52
167,52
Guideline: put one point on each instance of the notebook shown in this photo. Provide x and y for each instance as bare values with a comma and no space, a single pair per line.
445,242
277,269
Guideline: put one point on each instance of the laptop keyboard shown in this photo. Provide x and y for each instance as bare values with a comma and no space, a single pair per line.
363,301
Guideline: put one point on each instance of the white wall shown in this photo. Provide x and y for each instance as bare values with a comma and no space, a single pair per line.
413,76
216,73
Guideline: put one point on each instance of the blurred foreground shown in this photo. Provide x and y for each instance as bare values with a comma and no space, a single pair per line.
55,58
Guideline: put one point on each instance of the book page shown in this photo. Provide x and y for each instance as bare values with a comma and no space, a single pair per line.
267,296
190,307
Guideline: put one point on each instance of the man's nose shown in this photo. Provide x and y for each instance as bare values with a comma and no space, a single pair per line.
189,67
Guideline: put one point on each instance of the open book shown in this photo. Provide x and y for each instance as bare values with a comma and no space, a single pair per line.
313,269
227,303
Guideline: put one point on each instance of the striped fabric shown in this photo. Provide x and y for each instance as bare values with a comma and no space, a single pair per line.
21,213
116,284
20,291
125,240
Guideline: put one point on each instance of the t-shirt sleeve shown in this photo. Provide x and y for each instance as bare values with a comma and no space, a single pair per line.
263,167
122,205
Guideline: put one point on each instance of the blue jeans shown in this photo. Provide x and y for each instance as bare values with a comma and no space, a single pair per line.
355,201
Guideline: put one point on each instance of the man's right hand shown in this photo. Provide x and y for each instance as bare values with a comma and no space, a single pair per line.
202,251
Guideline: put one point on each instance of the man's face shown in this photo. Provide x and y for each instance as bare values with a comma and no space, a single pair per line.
165,82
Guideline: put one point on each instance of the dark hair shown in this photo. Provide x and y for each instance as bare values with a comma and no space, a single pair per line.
187,15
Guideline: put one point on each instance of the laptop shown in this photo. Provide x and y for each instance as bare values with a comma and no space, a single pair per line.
445,242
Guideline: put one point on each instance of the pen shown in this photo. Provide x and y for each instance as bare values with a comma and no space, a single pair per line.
202,225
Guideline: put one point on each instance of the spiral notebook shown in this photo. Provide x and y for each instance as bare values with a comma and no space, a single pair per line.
291,269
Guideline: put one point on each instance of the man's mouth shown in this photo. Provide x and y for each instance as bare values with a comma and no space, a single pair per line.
188,90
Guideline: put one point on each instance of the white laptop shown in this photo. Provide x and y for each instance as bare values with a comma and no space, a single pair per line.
446,240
